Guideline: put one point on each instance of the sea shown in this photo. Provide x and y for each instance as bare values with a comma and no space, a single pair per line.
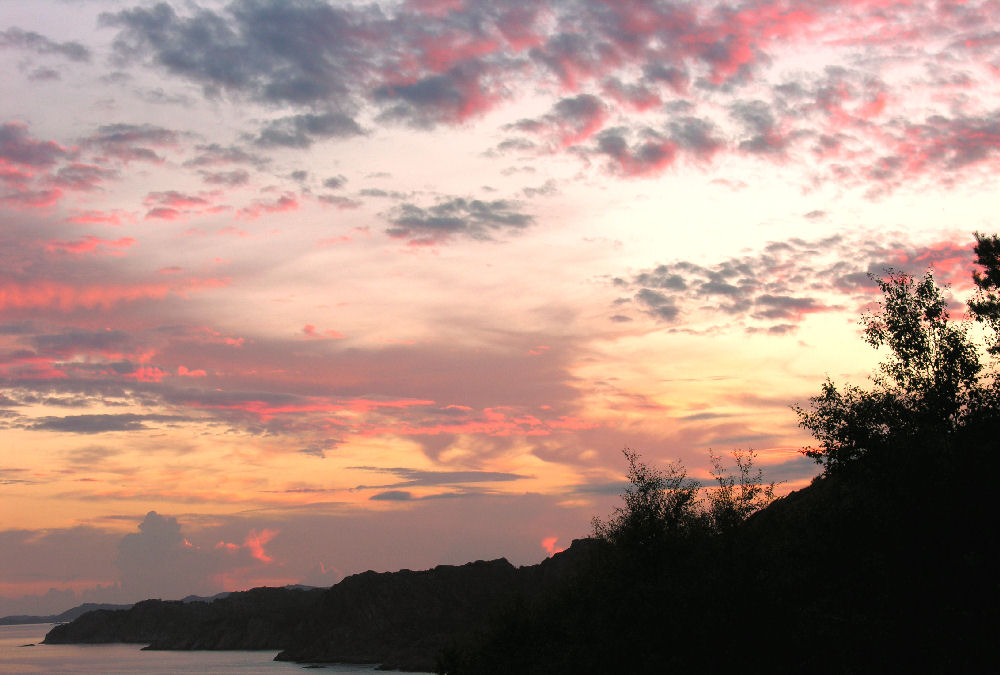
22,651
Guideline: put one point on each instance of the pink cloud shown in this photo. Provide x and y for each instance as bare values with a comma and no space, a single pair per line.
163,213
147,374
32,199
286,202
95,217
310,331
89,244
175,200
47,294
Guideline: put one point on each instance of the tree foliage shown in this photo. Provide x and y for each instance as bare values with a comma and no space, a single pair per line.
658,506
663,506
985,306
926,390
739,496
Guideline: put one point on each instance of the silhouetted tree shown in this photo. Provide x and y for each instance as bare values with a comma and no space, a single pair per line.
659,505
737,497
924,389
985,306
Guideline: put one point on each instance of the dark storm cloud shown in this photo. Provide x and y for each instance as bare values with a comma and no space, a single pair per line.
17,147
16,38
456,217
301,131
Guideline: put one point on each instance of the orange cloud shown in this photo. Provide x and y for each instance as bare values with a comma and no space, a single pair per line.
255,542
549,544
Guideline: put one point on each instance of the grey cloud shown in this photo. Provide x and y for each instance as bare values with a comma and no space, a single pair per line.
516,145
299,53
695,135
677,78
447,97
159,562
422,478
580,109
335,182
83,177
17,147
392,496
648,153
758,118
339,201
569,119
661,277
131,142
96,424
776,329
784,306
232,178
214,154
301,131
44,75
782,282
80,342
566,52
17,38
458,216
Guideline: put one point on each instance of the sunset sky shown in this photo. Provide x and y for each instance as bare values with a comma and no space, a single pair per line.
333,286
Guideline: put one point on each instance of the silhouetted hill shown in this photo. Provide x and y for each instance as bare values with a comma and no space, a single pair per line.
68,615
866,570
261,618
397,619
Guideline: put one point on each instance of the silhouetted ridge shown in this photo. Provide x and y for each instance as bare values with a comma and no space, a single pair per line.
397,619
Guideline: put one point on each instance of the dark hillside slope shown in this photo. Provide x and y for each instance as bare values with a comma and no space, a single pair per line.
862,571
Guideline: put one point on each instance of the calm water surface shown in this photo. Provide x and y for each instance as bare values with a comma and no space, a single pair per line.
15,658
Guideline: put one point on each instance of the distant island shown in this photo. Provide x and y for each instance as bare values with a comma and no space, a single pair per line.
68,615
